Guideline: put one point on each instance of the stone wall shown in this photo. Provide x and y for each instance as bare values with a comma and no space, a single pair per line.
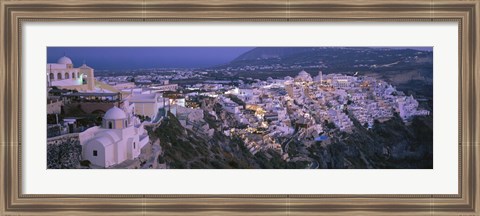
89,107
64,152
54,107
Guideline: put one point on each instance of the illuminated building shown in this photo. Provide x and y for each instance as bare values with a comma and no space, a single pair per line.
62,74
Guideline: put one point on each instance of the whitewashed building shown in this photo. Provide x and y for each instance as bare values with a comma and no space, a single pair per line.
117,140
63,74
147,104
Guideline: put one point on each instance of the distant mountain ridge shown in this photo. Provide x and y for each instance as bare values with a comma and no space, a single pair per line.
284,53
272,52
406,68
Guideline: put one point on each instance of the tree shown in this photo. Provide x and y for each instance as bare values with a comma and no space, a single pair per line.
160,159
85,163
329,125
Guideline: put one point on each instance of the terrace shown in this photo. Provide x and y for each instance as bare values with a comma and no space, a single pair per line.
92,97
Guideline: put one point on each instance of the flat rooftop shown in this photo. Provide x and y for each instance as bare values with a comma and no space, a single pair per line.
84,94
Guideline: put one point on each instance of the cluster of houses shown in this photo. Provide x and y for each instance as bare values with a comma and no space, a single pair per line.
267,113
300,107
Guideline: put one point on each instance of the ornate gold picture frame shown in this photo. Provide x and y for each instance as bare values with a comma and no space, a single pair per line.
14,13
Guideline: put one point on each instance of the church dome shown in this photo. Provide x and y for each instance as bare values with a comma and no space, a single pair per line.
303,73
303,76
115,113
64,60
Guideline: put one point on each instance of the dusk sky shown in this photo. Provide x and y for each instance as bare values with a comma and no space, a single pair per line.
117,58
146,57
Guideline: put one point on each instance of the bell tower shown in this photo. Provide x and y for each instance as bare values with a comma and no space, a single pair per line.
88,71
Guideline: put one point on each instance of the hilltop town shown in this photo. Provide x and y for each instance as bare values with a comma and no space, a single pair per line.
111,122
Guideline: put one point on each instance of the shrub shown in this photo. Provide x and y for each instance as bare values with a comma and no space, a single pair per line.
85,163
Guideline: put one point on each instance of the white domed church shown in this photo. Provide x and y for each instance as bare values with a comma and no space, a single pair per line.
64,75
115,141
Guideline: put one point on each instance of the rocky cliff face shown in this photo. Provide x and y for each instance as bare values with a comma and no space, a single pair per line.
186,149
389,145
64,152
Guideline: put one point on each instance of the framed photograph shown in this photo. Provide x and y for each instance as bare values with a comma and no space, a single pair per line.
239,108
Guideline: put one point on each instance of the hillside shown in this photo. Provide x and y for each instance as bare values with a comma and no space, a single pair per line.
389,145
409,70
261,53
186,149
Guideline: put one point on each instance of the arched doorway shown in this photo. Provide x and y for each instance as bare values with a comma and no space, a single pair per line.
59,76
52,76
67,76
